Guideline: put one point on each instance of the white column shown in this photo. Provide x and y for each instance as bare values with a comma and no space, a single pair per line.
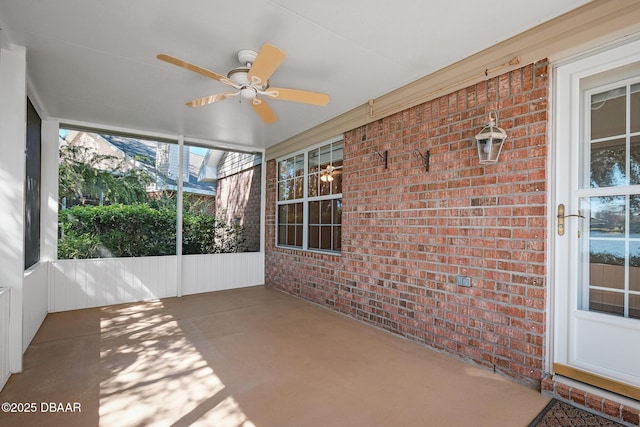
179,207
13,113
49,189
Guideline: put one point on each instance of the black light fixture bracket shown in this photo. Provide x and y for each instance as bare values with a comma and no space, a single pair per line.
384,157
424,157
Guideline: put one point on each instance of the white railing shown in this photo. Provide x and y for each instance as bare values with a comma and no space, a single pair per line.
85,283
35,293
75,284
5,301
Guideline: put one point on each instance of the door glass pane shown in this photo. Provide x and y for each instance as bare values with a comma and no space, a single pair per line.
607,264
635,108
634,264
607,242
613,234
607,217
634,306
608,163
634,168
606,302
609,113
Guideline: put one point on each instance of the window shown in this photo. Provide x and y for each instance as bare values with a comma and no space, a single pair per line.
309,199
611,197
32,188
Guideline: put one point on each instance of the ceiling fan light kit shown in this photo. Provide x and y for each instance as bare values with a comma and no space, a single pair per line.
251,81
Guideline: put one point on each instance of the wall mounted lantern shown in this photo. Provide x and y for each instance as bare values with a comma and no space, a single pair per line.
490,140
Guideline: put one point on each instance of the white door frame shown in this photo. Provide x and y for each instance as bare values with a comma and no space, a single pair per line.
564,158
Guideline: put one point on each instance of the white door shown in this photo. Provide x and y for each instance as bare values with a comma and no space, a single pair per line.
597,235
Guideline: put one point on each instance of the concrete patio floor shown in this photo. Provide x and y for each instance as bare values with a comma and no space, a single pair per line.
247,357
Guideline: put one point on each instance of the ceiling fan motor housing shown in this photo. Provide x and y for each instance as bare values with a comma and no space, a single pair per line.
247,56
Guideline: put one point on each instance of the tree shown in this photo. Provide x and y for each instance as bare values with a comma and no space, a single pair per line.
89,178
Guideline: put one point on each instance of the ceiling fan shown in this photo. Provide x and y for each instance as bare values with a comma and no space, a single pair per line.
251,82
326,175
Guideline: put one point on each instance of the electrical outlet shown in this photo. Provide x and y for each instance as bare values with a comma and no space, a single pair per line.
464,281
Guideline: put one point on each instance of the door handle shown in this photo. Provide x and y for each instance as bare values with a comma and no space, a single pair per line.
561,216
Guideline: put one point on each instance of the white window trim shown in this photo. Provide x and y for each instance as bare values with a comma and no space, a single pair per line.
305,198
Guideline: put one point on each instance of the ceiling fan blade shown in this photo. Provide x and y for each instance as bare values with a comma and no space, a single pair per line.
211,99
296,95
264,111
195,68
268,60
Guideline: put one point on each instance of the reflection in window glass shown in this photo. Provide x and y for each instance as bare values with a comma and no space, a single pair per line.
291,178
614,254
634,306
607,254
613,234
325,170
634,264
609,113
290,217
635,108
606,302
325,229
634,167
607,216
608,160
615,151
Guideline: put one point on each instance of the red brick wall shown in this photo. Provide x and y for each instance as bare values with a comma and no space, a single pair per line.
238,196
408,233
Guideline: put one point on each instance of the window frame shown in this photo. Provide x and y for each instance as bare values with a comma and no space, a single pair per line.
306,200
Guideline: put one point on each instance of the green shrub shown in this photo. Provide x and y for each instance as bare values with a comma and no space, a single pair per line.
139,230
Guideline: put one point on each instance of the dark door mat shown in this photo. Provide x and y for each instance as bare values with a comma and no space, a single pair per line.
560,414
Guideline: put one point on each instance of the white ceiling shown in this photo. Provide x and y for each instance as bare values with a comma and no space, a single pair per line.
94,61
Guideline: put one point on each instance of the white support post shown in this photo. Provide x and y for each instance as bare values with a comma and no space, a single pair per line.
179,205
49,187
13,118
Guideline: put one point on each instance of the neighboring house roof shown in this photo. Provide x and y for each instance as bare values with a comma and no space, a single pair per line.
147,152
136,149
157,159
201,171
